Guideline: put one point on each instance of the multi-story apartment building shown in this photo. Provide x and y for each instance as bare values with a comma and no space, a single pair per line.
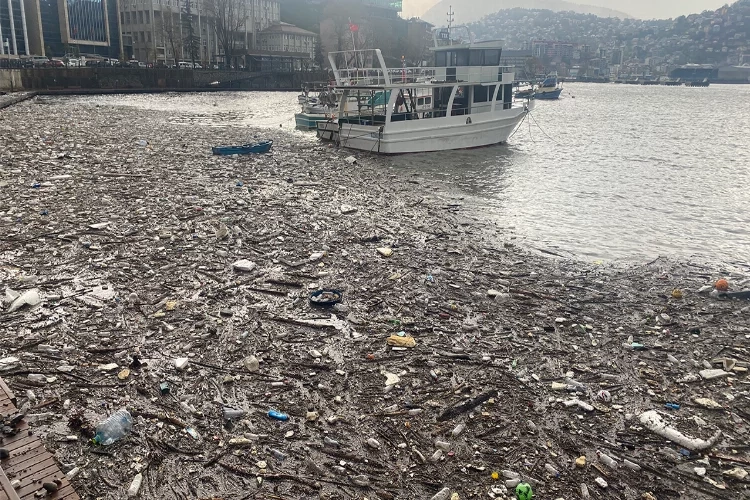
158,31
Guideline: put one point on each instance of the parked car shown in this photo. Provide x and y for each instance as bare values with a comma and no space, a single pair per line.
39,61
54,63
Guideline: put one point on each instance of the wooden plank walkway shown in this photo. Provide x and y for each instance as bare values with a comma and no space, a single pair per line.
29,461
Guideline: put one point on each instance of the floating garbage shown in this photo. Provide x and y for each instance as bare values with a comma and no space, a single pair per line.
28,298
326,297
656,424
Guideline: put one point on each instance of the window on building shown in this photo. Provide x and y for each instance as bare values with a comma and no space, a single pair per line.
122,18
148,36
147,16
140,17
127,18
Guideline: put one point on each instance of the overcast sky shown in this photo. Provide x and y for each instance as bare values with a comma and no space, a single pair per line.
645,9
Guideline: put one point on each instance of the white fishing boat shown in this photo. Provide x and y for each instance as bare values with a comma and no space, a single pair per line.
328,130
471,99
316,109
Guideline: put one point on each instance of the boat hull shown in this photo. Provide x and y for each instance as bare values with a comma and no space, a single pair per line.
455,132
328,131
309,121
548,95
258,148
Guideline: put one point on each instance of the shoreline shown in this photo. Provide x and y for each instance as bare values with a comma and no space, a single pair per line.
156,284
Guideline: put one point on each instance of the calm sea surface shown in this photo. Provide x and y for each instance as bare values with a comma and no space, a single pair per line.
613,172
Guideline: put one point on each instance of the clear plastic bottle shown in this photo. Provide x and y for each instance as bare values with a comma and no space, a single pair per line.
113,427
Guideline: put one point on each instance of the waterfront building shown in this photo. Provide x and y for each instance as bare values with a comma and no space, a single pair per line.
55,28
284,47
14,40
158,31
518,60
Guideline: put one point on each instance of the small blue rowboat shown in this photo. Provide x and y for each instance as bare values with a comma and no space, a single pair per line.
259,147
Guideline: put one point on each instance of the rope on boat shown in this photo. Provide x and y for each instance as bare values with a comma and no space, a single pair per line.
519,126
540,128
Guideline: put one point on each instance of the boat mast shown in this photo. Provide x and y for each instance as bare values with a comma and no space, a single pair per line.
451,15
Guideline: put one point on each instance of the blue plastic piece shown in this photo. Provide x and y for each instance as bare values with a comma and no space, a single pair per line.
278,415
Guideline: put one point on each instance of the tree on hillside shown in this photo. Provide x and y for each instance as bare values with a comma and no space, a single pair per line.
230,17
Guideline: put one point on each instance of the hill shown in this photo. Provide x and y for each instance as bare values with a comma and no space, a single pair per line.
474,10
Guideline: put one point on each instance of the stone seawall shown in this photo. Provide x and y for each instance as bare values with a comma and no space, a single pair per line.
147,78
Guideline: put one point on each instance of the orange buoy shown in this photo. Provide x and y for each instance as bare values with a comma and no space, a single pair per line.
722,285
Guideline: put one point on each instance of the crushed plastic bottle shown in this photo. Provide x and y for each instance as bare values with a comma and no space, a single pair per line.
135,486
232,413
585,491
606,460
631,465
114,427
443,494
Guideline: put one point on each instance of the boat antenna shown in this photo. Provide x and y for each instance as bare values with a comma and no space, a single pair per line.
451,15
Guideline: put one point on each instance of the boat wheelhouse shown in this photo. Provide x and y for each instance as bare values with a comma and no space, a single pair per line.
465,100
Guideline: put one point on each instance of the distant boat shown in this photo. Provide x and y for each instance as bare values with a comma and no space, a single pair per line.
316,109
257,148
704,83
549,89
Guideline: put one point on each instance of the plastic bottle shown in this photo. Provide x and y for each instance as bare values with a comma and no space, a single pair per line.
551,469
113,427
631,465
331,442
232,413
585,491
135,486
443,494
606,460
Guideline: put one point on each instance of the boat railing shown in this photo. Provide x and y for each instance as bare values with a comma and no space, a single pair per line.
367,68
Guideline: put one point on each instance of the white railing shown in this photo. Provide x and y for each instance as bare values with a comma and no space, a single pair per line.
364,68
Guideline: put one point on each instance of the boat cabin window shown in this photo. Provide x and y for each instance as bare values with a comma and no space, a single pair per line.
492,57
441,96
481,92
461,58
448,58
461,102
475,57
